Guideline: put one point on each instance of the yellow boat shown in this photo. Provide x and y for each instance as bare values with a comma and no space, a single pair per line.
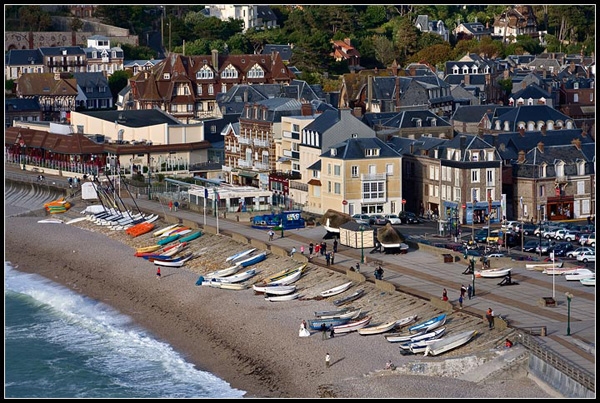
147,249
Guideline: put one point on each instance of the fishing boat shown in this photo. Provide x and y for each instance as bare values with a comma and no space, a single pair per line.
430,324
493,273
174,231
176,262
354,296
165,229
406,321
316,324
252,260
331,229
235,278
285,277
351,314
147,249
579,274
420,346
419,341
191,236
588,281
239,255
352,326
336,290
277,298
222,273
274,289
402,338
381,328
448,343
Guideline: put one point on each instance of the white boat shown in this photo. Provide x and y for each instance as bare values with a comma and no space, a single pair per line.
350,314
434,334
579,274
179,262
222,273
331,229
165,229
352,326
450,342
337,312
430,324
51,221
493,273
290,278
239,255
389,246
274,289
277,298
381,328
589,281
418,343
336,290
236,278
228,286
559,270
405,321
402,338
543,265
421,346
254,259
76,220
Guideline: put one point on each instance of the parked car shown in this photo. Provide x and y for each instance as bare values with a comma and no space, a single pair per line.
587,257
528,228
494,236
566,234
544,246
561,249
393,219
530,245
361,218
377,219
579,251
495,255
511,225
408,217
481,236
583,239
550,232
591,241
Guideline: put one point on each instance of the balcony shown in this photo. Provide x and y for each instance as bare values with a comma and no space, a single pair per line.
244,163
261,143
244,140
373,177
261,166
291,135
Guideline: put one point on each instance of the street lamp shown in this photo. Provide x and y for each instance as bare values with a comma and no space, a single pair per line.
473,277
569,297
150,161
362,250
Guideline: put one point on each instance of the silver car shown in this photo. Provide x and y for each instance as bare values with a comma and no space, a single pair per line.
361,218
393,219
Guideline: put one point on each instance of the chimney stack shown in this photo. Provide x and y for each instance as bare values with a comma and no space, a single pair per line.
543,130
522,132
463,142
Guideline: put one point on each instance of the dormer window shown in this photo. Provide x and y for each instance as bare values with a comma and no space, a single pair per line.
333,152
256,72
166,76
229,72
372,152
474,156
205,73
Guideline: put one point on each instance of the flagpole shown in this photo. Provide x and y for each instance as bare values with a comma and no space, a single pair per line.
553,273
217,208
205,211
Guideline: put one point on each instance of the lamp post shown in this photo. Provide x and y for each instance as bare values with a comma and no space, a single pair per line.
150,161
540,235
362,250
489,218
569,297
473,278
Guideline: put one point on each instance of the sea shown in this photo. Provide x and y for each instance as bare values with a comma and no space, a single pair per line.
60,344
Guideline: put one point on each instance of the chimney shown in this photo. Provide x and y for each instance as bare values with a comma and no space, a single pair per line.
306,109
522,132
357,112
467,79
540,146
347,41
412,148
576,143
521,158
215,59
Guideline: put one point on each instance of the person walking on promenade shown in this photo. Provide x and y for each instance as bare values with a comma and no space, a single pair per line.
323,248
302,249
357,267
170,205
323,331
293,251
444,295
331,331
328,258
317,248
176,205
332,257
335,245
490,318
311,247
327,360
469,291
271,235
158,273
463,290
460,301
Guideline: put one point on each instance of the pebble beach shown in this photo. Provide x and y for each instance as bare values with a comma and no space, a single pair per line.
239,336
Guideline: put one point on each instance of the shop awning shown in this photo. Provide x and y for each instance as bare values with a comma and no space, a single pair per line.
248,174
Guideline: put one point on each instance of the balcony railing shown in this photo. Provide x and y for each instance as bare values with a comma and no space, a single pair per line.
244,163
262,166
261,143
244,140
372,177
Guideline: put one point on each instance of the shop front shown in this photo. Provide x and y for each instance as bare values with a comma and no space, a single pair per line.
559,208
477,213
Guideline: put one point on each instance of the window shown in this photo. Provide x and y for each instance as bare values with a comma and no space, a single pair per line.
337,188
474,175
580,187
580,167
354,171
229,72
542,190
372,169
328,169
560,169
373,190
337,170
474,156
475,195
431,172
389,169
166,76
372,152
205,73
211,89
436,191
256,72
489,176
199,90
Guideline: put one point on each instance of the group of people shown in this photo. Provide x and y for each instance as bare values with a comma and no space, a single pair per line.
173,205
464,291
379,273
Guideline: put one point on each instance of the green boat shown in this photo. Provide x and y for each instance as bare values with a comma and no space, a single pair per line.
169,239
191,236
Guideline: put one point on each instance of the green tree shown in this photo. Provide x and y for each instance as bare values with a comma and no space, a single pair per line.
137,52
117,81
374,16
33,18
385,53
405,36
76,24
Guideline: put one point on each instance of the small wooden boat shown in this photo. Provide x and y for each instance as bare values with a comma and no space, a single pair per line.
252,260
239,255
430,324
50,221
191,237
588,281
381,328
228,286
543,265
277,298
331,229
352,326
406,321
147,249
418,343
448,343
351,314
336,290
274,289
420,346
337,312
76,220
236,278
354,296
222,273
579,274
492,273
289,278
177,262
402,338
165,229
316,324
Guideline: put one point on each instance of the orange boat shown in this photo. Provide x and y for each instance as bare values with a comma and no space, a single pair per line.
140,229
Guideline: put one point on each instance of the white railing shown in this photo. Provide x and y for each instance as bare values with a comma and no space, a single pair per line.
244,140
244,164
261,166
372,177
261,143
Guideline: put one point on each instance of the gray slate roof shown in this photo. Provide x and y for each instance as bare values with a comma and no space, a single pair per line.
354,149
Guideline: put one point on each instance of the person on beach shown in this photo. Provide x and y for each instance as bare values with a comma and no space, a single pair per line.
271,235
176,205
460,301
311,247
508,343
331,332
323,331
357,267
328,258
317,248
303,331
327,360
444,295
302,249
170,205
490,318
332,256
390,365
158,273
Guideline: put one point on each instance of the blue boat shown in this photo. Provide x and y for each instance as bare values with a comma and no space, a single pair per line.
191,236
291,219
315,324
430,324
252,260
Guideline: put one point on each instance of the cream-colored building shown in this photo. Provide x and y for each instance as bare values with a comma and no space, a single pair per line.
359,175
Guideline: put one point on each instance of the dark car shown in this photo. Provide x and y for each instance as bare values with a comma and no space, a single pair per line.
408,217
529,228
561,249
530,246
481,236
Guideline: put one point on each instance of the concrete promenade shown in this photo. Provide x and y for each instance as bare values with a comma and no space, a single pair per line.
424,274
